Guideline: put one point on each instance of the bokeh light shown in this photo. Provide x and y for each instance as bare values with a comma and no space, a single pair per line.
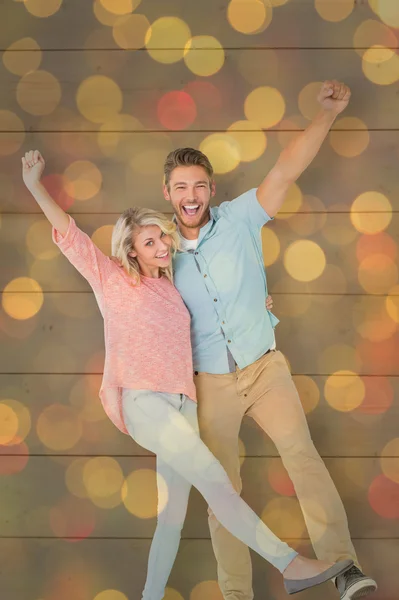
279,479
74,477
284,517
102,238
110,595
354,141
265,106
42,8
130,31
304,260
120,7
176,110
250,138
99,98
222,150
390,460
166,33
59,427
140,493
103,480
372,321
38,92
381,65
112,139
392,303
271,246
82,180
249,16
8,423
11,465
388,12
312,218
39,242
206,589
204,55
307,99
377,274
371,32
308,392
22,298
379,243
11,141
11,410
22,56
172,594
104,16
334,11
292,203
344,391
371,212
378,397
384,497
72,518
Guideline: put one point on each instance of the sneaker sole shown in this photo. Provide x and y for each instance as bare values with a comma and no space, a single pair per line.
360,589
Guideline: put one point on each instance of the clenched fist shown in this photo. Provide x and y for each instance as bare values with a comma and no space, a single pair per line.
334,96
32,168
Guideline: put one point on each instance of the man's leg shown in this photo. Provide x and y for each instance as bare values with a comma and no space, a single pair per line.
220,413
276,407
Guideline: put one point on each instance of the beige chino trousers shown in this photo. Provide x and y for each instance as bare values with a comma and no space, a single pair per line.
266,392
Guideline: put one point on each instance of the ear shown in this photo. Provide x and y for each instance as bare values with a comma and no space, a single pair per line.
166,193
132,254
213,189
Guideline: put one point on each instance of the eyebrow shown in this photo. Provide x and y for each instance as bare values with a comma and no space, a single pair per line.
185,183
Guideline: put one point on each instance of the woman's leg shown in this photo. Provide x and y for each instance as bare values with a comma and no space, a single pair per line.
154,421
173,494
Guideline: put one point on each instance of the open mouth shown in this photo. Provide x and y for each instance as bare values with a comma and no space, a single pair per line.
190,209
163,256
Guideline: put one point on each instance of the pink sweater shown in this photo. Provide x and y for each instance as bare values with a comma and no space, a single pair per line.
146,327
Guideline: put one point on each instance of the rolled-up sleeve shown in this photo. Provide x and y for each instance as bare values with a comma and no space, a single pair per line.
84,255
246,208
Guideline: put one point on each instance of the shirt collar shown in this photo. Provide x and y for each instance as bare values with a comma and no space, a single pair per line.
206,228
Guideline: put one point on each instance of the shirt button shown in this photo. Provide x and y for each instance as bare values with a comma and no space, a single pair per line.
195,372
229,341
215,299
195,253
223,323
205,275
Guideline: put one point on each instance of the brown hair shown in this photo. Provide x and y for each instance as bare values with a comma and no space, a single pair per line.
186,157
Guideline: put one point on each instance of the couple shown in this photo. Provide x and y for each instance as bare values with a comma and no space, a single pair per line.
217,292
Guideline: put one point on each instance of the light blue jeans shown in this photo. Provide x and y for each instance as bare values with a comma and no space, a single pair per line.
166,424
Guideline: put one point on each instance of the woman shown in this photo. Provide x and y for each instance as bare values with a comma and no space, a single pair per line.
148,390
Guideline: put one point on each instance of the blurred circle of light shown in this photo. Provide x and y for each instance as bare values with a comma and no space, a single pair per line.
307,99
59,427
172,594
139,493
304,260
39,242
379,396
265,106
335,231
334,11
279,479
377,273
371,212
10,465
19,62
166,39
344,391
130,32
8,424
22,298
252,143
104,16
372,322
22,414
312,217
74,478
103,479
381,65
11,141
205,94
206,589
292,203
38,93
176,110
102,238
392,303
84,397
99,98
223,152
249,16
82,180
371,32
308,392
374,5
72,518
271,246
112,139
380,243
284,517
384,497
120,7
388,12
42,8
288,130
337,357
390,460
55,185
350,143
149,156
110,595
204,55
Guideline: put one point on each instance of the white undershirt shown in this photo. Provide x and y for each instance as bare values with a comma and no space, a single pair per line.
186,244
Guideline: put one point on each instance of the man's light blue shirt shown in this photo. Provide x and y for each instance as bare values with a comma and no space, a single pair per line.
223,284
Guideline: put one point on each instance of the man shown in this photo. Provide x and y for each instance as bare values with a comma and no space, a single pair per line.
220,275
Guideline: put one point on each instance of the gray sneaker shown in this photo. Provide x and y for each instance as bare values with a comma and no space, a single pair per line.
353,584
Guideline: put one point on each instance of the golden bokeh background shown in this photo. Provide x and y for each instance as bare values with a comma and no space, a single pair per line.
105,89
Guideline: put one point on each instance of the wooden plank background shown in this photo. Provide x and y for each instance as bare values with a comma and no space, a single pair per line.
344,320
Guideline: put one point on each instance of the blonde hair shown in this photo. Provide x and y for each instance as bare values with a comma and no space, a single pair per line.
124,230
